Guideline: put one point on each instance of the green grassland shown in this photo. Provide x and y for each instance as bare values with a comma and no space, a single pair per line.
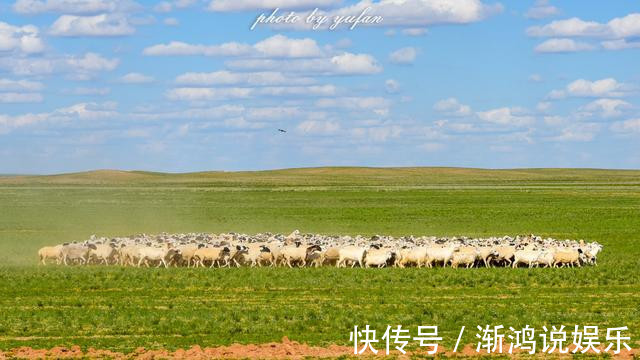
122,308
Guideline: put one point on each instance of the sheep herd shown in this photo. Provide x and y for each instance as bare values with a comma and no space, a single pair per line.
300,250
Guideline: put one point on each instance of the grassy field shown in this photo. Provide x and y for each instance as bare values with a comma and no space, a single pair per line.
121,309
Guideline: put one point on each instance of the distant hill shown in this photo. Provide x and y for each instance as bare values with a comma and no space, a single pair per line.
334,176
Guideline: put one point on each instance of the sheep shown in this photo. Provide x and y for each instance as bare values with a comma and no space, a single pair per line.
464,256
129,254
527,257
505,254
437,254
235,252
486,254
352,253
104,253
254,254
378,257
568,257
50,252
545,258
188,251
161,255
331,255
76,252
417,255
215,254
299,253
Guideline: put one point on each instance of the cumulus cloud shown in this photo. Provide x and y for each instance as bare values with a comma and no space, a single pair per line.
224,77
277,46
78,66
542,9
249,5
206,94
23,39
608,87
378,105
168,6
452,106
13,97
617,34
606,107
81,111
136,78
91,62
581,132
506,116
171,21
405,55
318,127
392,86
414,31
343,64
20,85
563,46
73,6
175,48
627,126
98,25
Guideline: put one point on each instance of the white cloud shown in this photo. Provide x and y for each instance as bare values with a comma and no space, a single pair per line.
81,111
73,6
378,105
136,78
224,77
542,9
91,62
608,87
582,132
619,33
180,48
277,46
405,55
20,85
607,107
377,134
349,63
418,13
168,6
98,25
452,106
171,21
414,31
535,77
392,86
204,94
563,46
25,39
90,91
506,116
627,126
12,97
250,5
282,46
431,147
318,127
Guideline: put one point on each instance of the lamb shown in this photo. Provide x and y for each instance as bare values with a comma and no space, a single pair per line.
50,252
545,258
487,254
331,255
354,254
505,254
188,251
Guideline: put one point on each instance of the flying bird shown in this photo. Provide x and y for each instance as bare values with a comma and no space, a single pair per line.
282,131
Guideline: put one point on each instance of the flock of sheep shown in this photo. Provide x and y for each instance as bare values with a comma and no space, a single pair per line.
296,249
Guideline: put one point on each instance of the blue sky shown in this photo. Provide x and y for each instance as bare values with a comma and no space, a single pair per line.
185,85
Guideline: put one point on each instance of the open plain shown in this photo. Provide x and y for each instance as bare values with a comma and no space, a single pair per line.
120,309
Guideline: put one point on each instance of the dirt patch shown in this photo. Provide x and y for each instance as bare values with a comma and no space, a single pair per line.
283,350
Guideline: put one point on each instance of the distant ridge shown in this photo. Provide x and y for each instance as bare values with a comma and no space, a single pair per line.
332,176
